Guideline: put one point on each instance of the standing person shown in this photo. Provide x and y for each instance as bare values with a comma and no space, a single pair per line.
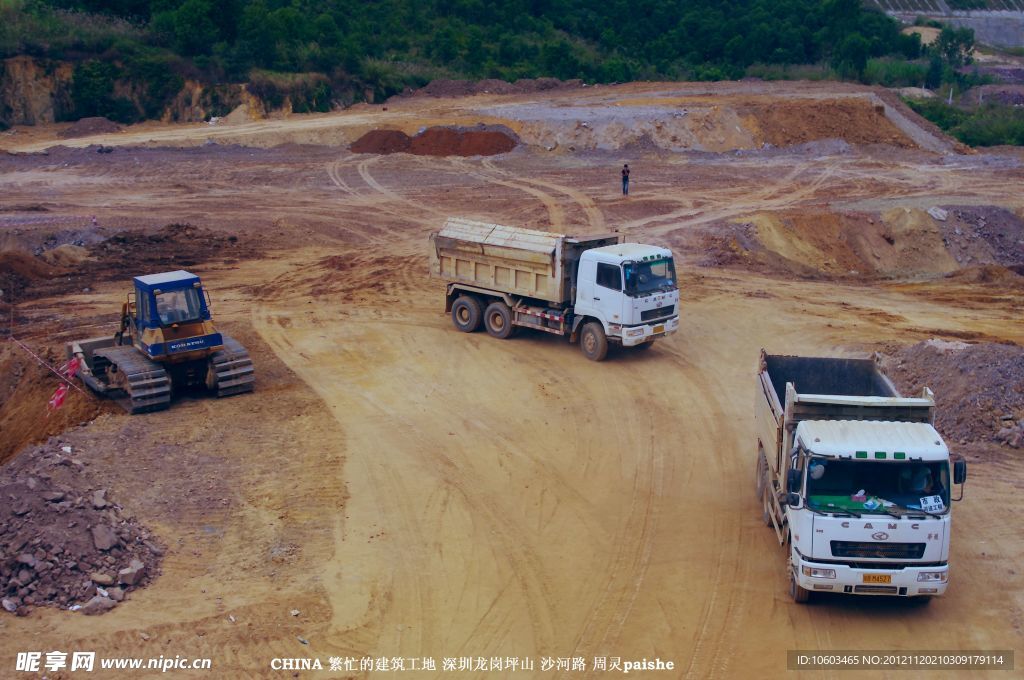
625,179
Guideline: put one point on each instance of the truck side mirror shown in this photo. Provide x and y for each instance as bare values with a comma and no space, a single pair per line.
959,471
793,500
793,480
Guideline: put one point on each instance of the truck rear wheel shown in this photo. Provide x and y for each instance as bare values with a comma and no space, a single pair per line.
593,342
498,320
466,313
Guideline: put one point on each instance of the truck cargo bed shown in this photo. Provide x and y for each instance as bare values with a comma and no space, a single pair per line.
816,375
522,262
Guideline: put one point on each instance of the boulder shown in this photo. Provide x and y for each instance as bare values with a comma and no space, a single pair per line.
131,574
103,537
101,579
98,605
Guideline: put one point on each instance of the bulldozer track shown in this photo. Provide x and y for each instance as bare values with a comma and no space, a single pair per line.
147,385
233,368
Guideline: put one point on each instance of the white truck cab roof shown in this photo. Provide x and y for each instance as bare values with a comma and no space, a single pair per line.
872,440
636,252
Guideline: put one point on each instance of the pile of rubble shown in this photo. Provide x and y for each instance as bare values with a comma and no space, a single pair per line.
979,387
63,543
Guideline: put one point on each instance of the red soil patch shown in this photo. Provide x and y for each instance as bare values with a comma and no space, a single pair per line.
382,141
441,141
438,141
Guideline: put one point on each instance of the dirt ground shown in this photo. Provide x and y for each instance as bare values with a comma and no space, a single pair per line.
412,491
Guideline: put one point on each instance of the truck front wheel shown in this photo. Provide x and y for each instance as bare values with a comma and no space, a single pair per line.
593,342
799,594
498,320
466,313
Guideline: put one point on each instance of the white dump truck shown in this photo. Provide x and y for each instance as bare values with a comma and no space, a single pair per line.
854,478
595,289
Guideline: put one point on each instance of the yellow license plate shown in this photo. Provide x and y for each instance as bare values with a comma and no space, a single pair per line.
877,578
659,329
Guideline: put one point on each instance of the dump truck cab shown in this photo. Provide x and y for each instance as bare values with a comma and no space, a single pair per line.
169,317
854,478
869,507
594,289
629,287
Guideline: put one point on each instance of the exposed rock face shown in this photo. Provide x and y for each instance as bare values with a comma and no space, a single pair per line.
34,91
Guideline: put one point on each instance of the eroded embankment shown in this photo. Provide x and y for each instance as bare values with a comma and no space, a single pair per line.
983,242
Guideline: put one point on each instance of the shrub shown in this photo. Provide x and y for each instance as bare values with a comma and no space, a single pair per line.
895,73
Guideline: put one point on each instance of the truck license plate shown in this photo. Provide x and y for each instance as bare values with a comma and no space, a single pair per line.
877,578
659,329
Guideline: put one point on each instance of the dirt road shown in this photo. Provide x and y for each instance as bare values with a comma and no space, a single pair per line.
416,492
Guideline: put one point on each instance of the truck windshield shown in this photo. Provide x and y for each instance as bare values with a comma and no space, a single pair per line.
176,306
877,487
650,277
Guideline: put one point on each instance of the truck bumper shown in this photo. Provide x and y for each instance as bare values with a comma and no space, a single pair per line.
851,580
637,335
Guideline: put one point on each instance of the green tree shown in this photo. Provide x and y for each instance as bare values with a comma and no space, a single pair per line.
194,30
955,46
851,57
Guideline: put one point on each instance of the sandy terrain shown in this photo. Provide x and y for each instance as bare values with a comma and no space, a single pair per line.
413,491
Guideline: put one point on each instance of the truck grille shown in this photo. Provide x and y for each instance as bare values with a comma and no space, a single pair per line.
657,313
877,590
890,551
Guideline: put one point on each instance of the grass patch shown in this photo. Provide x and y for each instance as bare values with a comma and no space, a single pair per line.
895,73
989,125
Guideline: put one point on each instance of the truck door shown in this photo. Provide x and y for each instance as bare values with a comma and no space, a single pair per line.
585,286
608,297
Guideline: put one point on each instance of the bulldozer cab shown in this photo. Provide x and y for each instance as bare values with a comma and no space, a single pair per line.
167,299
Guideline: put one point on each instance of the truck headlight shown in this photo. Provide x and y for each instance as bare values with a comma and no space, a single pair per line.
933,576
634,332
815,572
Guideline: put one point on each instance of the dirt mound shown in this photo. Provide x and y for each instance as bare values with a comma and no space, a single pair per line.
66,255
20,270
898,244
89,126
382,142
982,244
451,141
856,121
990,274
25,389
119,257
64,543
979,388
439,141
980,235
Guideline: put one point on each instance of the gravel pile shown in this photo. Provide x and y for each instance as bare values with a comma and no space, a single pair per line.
63,543
979,388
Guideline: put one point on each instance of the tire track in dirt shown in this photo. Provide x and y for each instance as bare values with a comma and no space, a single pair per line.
717,625
625,578
506,540
775,197
419,208
408,597
595,218
555,213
